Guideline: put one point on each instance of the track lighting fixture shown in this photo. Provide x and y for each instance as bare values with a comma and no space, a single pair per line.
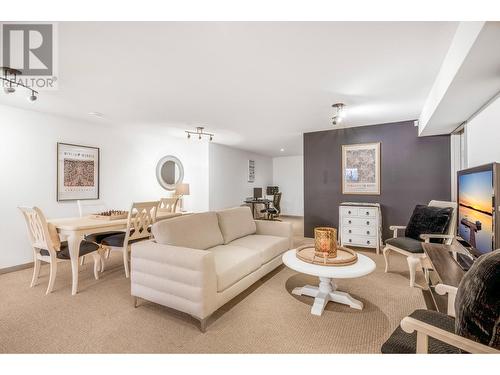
32,97
199,132
339,113
9,79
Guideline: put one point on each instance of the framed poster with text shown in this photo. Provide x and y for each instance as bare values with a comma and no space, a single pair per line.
77,172
361,169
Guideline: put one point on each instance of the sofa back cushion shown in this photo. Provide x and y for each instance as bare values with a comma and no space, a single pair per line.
236,223
477,304
197,231
427,220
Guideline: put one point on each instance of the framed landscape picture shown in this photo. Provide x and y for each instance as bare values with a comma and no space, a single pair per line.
361,169
77,172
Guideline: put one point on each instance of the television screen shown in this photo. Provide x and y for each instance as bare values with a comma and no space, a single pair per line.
475,209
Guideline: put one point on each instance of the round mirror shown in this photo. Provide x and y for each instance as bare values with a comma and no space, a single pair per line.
169,172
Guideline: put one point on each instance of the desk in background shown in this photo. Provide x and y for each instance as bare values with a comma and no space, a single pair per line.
253,202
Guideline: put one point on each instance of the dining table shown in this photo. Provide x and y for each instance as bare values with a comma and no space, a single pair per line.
74,230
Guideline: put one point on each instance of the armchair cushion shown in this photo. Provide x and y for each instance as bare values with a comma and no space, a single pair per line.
428,219
477,304
401,342
406,243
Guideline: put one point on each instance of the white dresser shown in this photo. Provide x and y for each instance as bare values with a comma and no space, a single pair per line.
360,224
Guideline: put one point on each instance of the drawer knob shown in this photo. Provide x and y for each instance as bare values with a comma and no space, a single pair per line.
367,223
349,212
368,242
350,231
349,221
368,213
350,240
367,232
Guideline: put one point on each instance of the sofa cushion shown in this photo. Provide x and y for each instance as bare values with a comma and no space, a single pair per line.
477,304
197,231
427,220
236,223
269,247
232,263
406,243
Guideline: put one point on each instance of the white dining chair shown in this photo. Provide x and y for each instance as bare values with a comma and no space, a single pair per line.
91,206
168,204
140,218
47,246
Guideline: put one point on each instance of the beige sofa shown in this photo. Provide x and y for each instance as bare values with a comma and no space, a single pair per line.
196,263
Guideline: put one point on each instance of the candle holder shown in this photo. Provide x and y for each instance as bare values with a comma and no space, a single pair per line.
325,242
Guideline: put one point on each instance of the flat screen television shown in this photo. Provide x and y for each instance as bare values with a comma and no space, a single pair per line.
478,193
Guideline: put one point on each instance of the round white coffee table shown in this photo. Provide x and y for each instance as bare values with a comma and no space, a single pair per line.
327,290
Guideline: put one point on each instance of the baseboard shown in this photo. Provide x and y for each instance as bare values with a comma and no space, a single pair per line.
16,268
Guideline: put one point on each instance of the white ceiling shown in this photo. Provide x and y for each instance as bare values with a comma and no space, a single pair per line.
257,86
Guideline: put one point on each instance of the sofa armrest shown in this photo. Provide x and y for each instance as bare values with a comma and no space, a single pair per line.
395,229
425,330
275,228
178,277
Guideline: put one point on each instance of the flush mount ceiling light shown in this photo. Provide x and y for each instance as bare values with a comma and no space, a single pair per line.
96,114
339,113
199,132
10,83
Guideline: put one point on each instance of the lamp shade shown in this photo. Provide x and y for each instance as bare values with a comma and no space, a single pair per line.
182,189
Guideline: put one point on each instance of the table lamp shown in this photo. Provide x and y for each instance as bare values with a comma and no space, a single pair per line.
181,190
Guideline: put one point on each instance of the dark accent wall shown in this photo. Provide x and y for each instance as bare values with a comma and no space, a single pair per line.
414,170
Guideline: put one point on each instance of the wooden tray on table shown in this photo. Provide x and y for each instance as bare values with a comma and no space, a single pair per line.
345,256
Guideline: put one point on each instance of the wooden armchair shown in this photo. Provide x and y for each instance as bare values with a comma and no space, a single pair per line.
471,322
412,248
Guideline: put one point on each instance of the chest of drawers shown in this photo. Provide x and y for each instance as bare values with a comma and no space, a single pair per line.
360,224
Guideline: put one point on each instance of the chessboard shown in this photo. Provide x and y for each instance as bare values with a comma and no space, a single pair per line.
110,215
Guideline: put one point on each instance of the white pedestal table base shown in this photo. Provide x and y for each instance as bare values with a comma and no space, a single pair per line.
326,291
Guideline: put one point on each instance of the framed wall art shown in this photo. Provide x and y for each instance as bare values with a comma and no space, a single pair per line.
251,171
77,172
361,169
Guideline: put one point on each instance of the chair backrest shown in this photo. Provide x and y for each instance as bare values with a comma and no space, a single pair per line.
38,229
92,206
140,218
168,204
277,201
452,226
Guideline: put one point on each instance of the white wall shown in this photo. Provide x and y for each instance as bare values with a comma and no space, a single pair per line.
228,175
483,136
128,160
288,174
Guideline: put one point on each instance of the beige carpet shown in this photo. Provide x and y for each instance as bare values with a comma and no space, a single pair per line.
264,319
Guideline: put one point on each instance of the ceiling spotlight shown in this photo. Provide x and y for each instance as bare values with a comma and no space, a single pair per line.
339,113
282,149
32,97
199,132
